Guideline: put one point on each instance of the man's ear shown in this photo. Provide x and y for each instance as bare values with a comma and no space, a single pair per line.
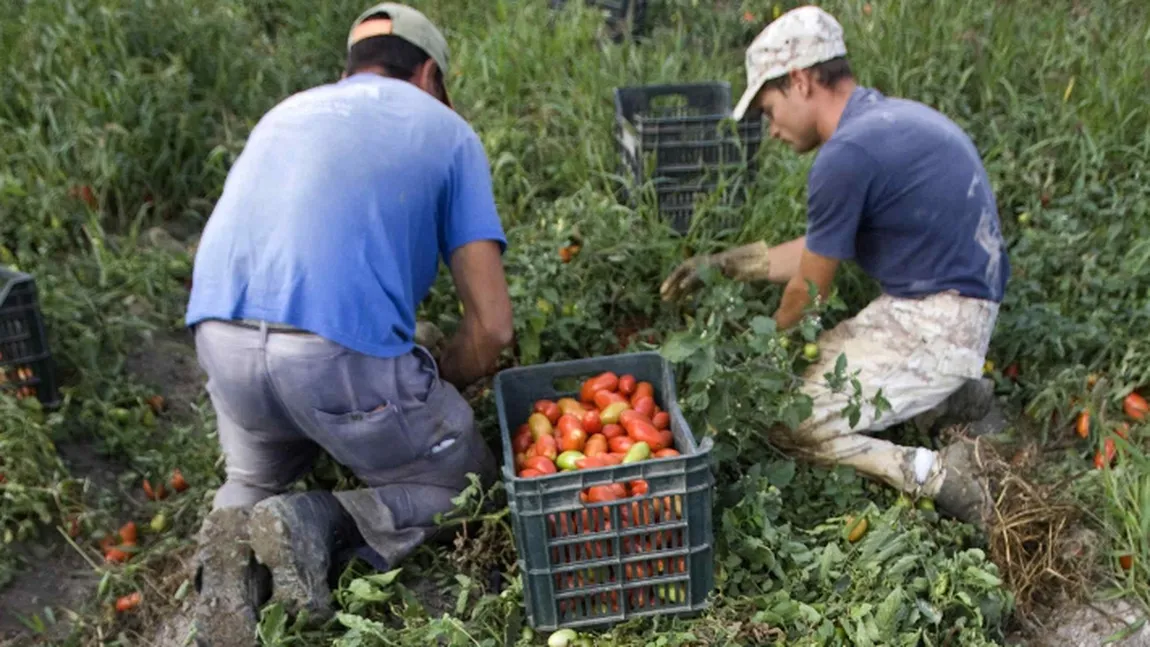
425,76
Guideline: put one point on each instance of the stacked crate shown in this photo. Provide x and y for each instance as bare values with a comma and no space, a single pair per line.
26,367
682,138
621,14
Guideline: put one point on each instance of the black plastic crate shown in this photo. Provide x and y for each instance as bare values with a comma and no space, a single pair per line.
684,135
679,194
632,13
26,366
597,564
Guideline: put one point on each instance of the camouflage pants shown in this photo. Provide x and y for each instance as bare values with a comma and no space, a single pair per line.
918,351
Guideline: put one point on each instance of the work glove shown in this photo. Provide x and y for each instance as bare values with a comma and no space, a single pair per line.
743,263
430,337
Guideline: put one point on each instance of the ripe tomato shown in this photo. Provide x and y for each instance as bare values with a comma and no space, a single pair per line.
661,420
128,602
572,438
643,389
627,384
644,405
529,473
567,422
549,409
541,463
592,423
1106,456
521,442
1083,426
620,444
611,431
642,432
630,415
605,398
639,487
1126,562
547,446
569,405
600,493
596,444
666,453
1135,406
604,381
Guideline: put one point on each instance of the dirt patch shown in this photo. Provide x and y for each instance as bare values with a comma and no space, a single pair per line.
166,362
52,575
1115,623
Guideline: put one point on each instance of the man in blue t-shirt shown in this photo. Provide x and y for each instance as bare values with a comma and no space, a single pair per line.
900,189
327,236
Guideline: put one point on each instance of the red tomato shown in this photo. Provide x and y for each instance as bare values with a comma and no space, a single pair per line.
1083,426
661,420
639,487
549,409
522,442
627,384
591,422
666,453
604,381
547,446
604,398
620,444
596,444
529,473
642,389
642,432
600,493
630,415
572,438
612,431
1135,406
644,405
541,463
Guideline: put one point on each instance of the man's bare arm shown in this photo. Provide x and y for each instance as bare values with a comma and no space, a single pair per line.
487,327
818,269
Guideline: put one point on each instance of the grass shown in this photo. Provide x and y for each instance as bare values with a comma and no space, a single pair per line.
148,102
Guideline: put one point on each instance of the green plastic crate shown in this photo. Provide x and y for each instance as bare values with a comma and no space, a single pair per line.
595,565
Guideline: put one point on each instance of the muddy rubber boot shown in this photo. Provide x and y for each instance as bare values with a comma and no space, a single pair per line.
965,493
230,584
297,536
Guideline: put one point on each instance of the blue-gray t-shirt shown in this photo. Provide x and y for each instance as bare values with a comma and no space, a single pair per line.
901,189
339,209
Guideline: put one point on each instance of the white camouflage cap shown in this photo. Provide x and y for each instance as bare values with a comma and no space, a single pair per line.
798,39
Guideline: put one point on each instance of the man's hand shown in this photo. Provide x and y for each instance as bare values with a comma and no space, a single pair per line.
487,327
753,262
818,269
430,337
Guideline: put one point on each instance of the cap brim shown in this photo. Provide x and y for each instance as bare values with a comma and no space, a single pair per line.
745,101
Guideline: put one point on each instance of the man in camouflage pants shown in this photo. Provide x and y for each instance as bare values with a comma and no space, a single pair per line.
900,189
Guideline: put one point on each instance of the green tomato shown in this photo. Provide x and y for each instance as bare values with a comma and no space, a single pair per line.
784,342
811,351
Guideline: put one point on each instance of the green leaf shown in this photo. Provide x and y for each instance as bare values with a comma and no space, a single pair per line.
679,347
763,325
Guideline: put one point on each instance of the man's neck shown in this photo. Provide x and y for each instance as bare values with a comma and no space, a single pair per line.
834,104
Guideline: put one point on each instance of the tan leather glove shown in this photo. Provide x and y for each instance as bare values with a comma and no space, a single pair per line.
743,263
430,337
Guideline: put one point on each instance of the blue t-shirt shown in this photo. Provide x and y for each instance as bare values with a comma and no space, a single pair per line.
901,189
336,214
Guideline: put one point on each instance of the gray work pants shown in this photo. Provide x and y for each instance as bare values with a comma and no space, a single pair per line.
282,396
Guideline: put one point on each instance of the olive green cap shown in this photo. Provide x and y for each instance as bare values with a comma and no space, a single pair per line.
407,23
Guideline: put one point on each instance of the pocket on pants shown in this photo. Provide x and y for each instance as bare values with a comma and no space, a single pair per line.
367,441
